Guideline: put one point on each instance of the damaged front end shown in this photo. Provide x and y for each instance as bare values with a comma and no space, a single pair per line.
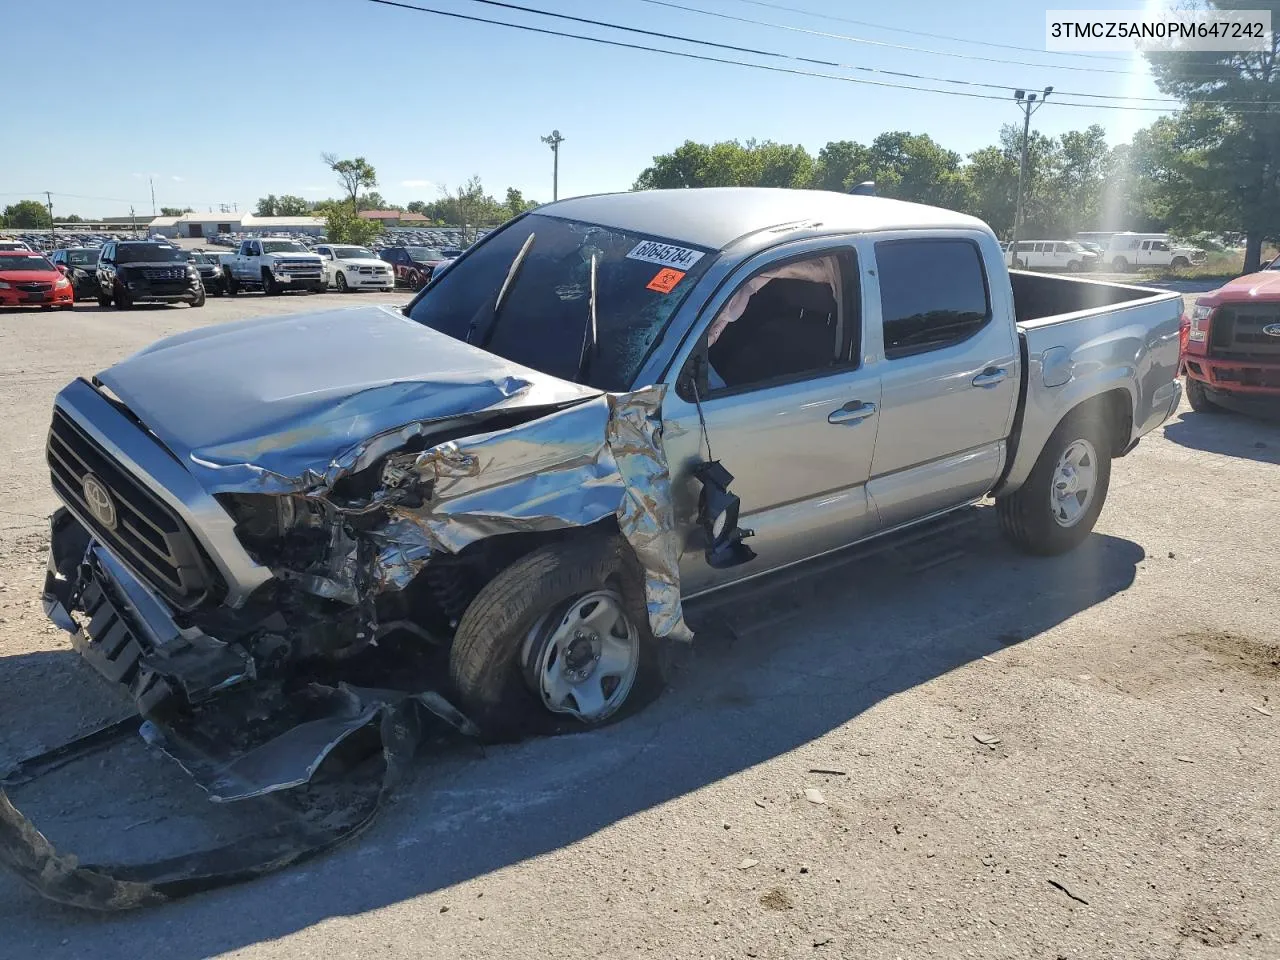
367,524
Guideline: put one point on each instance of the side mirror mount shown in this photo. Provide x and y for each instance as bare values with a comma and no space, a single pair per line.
718,511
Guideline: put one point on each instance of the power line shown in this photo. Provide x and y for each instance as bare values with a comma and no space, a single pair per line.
546,31
1003,61
845,66
931,36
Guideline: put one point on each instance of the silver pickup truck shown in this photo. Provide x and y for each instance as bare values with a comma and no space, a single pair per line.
605,408
272,265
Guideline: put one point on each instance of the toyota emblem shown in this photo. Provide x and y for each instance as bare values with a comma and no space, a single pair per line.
1272,329
98,499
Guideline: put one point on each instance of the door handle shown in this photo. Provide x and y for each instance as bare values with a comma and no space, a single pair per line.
990,377
855,411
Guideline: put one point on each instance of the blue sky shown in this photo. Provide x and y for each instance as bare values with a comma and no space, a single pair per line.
231,100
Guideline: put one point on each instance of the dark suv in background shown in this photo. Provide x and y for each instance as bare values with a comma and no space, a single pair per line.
82,267
209,266
136,271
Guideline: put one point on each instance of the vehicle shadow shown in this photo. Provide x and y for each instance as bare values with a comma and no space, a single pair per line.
781,667
1230,434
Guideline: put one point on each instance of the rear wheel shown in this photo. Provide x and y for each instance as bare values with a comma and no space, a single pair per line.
1018,264
1198,397
562,632
1057,506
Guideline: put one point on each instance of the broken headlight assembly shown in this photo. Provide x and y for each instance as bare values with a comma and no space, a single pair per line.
718,511
262,518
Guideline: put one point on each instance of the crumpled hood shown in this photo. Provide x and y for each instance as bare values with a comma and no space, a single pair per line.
298,401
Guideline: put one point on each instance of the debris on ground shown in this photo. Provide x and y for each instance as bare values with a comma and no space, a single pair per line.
830,771
986,739
814,795
776,899
1262,710
747,863
1182,758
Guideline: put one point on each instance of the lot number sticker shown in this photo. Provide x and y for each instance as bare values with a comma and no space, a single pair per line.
664,254
665,280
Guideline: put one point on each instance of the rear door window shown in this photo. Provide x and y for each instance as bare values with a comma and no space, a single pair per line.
933,294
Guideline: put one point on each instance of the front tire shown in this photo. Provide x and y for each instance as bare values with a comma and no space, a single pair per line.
269,285
1180,263
199,299
342,283
1120,265
1058,505
1073,266
563,631
122,299
1198,397
104,301
230,284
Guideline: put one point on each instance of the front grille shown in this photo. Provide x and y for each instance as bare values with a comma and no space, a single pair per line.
148,536
1236,332
34,287
298,266
163,273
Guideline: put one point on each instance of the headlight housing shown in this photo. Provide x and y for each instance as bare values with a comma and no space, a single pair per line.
1199,329
5,286
62,283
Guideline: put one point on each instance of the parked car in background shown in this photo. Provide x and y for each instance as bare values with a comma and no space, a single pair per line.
80,267
354,268
209,266
144,271
273,266
9,244
413,265
517,459
1128,251
28,279
1065,255
1231,345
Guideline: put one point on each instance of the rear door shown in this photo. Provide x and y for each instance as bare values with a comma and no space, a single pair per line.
790,408
949,373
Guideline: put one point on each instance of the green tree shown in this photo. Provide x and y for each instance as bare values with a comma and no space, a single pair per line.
71,218
515,203
1229,134
174,211
913,166
992,174
27,213
841,164
354,175
417,206
344,226
267,206
290,206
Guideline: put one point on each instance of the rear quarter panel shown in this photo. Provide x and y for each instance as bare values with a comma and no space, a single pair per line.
1076,357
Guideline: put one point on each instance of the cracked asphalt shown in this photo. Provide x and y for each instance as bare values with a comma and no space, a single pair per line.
950,750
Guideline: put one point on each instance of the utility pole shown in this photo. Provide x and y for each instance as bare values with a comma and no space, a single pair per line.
53,232
555,140
153,197
133,219
1028,103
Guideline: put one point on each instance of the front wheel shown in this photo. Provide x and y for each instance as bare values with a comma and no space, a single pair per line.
342,283
1180,263
122,299
1198,397
563,631
269,285
104,300
230,284
1057,506
198,299
1073,266
1120,265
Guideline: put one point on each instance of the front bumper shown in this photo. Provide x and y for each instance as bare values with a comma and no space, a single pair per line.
1234,376
21,298
361,281
126,632
297,279
164,291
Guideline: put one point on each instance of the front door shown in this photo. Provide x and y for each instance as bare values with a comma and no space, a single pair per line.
949,376
790,410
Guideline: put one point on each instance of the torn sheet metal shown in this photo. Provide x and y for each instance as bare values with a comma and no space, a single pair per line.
573,468
309,819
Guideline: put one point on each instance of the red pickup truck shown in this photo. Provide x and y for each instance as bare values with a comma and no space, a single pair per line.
1231,345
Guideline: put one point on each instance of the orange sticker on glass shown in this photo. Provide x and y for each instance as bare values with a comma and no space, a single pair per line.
665,280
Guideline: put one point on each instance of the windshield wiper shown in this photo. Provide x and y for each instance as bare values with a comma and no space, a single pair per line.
590,334
512,272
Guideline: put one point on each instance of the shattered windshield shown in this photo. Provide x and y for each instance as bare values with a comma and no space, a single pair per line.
545,318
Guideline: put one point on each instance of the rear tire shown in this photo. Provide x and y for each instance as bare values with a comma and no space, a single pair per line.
1038,517
1199,398
486,662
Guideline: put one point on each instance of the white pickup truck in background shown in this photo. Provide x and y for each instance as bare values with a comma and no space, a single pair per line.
273,265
